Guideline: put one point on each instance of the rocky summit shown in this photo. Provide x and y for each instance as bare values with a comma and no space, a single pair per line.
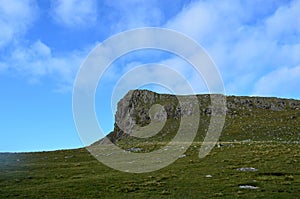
247,118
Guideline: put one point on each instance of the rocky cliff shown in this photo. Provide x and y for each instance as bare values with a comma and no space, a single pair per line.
267,114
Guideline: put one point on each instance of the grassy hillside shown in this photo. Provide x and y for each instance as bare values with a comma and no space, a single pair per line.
76,174
265,140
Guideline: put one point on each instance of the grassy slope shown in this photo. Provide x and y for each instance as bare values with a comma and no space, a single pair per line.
75,174
273,149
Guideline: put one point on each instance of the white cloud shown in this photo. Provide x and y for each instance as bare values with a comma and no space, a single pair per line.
195,20
41,49
283,82
75,13
185,69
287,16
246,40
37,61
135,14
15,18
151,74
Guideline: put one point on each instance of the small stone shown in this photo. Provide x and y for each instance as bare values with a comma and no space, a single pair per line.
68,156
247,169
208,176
182,156
248,187
218,194
133,149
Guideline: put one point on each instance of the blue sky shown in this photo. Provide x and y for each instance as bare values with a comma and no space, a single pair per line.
255,44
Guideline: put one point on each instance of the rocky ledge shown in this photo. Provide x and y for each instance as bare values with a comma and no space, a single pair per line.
135,108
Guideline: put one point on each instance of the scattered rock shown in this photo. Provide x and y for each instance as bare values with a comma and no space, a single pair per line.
182,156
134,149
208,176
218,194
247,169
248,187
219,145
246,141
69,156
165,192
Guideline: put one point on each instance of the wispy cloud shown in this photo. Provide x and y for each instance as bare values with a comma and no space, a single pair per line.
128,14
283,82
74,13
15,18
246,40
132,14
37,61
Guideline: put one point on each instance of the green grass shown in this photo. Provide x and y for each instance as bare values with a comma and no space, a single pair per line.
76,174
264,139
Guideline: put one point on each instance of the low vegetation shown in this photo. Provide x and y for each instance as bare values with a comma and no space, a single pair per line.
258,156
76,174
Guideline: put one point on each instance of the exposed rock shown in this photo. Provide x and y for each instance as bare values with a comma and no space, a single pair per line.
140,107
247,169
69,156
134,149
248,187
182,156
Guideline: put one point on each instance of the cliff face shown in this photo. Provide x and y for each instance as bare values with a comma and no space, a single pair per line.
135,109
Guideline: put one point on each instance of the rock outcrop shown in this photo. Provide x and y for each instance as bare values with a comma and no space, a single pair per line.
135,108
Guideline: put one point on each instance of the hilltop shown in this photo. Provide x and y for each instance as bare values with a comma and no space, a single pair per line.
257,156
247,118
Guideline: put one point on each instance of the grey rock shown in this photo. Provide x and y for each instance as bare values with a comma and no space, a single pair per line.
248,187
133,149
247,169
182,156
134,109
